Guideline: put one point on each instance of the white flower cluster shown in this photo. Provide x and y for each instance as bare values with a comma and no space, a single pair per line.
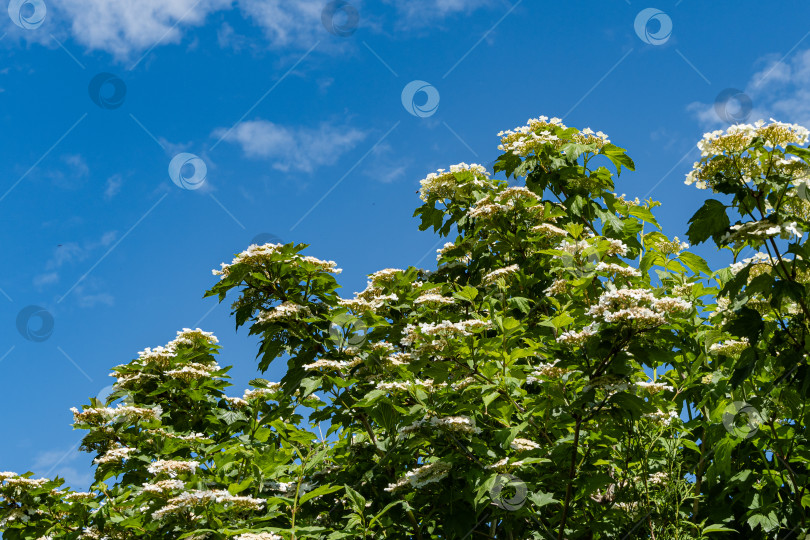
523,445
261,393
115,455
653,387
577,338
191,499
730,347
546,371
458,424
624,305
443,184
80,496
14,480
559,286
286,310
717,149
163,486
761,230
759,258
103,415
259,536
500,273
435,336
617,270
192,371
547,229
421,476
662,418
503,202
172,467
258,255
433,299
342,366
427,384
162,356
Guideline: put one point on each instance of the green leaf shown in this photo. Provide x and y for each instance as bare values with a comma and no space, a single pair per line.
318,491
717,528
695,263
708,222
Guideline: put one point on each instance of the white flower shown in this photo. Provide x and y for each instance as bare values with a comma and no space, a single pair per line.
523,445
502,272
421,476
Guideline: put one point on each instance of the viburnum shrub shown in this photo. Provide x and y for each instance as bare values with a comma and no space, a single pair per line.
567,371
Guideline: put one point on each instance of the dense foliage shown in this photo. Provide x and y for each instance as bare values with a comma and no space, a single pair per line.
567,371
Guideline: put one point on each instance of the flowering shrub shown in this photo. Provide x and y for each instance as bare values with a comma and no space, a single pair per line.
567,371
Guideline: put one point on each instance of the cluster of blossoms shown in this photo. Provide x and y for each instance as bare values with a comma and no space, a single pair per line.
191,499
262,393
443,185
577,338
547,229
546,371
162,358
115,455
523,445
15,480
761,230
457,424
671,247
103,415
427,384
256,255
617,270
342,366
419,477
730,347
626,305
163,486
495,275
285,310
760,263
653,387
448,246
662,418
435,336
505,201
558,286
259,536
433,299
721,152
373,297
172,467
538,132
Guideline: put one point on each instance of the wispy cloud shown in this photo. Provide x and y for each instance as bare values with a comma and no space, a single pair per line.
65,464
780,89
293,148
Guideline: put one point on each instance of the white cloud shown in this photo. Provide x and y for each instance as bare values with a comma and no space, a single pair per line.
293,148
780,90
428,12
72,252
127,28
123,27
113,186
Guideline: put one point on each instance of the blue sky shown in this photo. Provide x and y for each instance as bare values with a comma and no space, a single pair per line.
304,136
